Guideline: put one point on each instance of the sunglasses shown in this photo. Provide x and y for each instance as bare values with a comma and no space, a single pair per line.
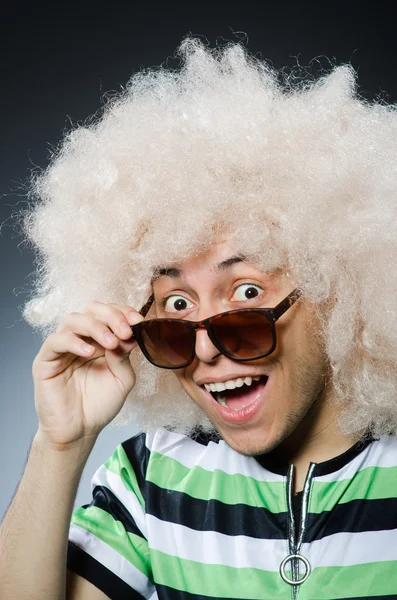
242,334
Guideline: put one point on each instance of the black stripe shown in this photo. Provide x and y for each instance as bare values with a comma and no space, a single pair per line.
335,464
391,597
353,517
274,464
105,499
138,454
86,566
213,515
167,593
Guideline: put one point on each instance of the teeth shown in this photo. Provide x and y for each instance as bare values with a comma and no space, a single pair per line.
222,401
230,384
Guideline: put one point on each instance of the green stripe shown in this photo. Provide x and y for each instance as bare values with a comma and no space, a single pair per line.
372,483
217,581
132,547
119,464
324,583
199,483
367,580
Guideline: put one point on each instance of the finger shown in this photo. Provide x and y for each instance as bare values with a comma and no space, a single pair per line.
117,316
124,348
64,343
86,325
119,364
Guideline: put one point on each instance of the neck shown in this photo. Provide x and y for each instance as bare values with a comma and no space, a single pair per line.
317,439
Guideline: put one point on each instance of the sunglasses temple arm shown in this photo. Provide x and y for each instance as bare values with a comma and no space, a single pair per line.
285,304
146,307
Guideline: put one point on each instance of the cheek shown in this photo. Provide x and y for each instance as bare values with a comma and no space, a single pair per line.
299,335
186,381
307,356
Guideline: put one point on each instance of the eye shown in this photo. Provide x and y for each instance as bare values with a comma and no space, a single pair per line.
246,291
176,304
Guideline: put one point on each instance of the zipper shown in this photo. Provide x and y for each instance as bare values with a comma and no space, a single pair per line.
295,562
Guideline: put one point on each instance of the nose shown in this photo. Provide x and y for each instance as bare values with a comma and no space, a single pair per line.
205,349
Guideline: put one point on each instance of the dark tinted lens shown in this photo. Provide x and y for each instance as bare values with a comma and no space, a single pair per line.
168,343
244,334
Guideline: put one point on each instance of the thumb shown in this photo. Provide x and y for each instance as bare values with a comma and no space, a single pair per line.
118,361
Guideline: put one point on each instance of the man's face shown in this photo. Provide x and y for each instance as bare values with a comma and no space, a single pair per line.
264,412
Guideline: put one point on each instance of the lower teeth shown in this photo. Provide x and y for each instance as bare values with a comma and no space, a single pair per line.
222,401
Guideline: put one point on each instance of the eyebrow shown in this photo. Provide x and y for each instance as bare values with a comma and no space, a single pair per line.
222,266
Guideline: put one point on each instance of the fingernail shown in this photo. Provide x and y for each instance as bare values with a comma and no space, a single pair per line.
87,349
125,328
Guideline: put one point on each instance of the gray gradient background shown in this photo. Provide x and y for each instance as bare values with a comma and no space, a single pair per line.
55,65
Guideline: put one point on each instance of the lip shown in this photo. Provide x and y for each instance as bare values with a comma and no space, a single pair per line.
244,415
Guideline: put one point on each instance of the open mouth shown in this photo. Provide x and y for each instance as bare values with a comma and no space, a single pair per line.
238,393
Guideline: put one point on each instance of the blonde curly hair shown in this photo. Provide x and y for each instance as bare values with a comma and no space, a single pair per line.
301,171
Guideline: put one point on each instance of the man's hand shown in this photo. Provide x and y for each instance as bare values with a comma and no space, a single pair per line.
82,373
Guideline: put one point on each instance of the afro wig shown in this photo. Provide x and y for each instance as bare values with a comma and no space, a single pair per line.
300,170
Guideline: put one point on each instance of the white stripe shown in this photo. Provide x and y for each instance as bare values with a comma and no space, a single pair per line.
211,547
114,482
380,453
215,456
112,560
346,549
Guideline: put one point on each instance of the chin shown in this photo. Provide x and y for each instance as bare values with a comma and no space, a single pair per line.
245,442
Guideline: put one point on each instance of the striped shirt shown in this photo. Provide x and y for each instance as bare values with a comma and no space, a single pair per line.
182,518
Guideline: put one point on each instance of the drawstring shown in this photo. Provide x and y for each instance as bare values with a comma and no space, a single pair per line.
295,560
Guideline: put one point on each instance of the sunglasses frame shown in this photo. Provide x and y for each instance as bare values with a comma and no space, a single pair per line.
271,314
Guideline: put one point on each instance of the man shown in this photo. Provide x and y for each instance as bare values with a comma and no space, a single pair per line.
255,225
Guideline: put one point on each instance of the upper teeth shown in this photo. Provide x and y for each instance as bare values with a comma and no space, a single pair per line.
230,384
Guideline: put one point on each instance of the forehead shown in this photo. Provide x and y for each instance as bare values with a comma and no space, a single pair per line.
213,263
214,260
